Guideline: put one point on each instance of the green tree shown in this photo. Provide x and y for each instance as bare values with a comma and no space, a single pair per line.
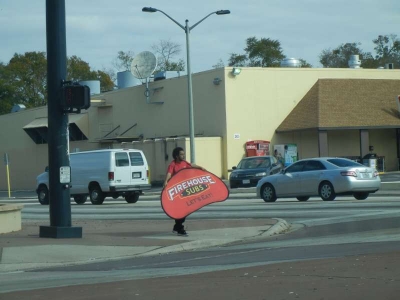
7,93
387,48
259,53
106,82
339,57
27,74
78,70
24,79
263,52
237,60
304,64
123,61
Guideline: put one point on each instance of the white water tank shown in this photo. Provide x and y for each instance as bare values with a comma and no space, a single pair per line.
126,79
94,86
18,107
290,63
354,62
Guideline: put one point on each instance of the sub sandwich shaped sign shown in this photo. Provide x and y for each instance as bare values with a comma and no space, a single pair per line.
191,189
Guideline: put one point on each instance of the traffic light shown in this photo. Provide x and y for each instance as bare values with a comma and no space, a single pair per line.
75,97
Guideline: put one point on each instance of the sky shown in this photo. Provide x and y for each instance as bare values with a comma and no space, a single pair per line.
98,29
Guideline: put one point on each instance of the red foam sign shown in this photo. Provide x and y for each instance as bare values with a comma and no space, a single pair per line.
191,189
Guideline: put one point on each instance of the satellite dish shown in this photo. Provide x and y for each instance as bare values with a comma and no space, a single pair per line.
143,65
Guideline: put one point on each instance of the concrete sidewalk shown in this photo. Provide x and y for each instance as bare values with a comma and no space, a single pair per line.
110,240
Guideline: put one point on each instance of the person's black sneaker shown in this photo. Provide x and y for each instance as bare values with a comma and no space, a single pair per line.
175,230
182,232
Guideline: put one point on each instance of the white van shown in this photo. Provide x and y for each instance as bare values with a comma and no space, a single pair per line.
103,173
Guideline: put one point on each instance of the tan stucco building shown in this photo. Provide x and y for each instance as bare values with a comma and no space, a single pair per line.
335,112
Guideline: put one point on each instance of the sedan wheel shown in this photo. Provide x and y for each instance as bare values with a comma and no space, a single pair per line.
303,198
268,193
326,191
361,196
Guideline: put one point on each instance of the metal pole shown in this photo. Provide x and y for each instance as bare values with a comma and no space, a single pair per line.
60,202
187,30
190,97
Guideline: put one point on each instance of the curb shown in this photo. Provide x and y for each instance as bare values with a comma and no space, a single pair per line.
282,226
251,233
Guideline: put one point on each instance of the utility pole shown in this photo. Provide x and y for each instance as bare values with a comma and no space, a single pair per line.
58,135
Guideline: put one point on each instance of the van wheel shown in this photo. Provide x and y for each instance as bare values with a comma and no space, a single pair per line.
80,199
96,195
43,195
132,198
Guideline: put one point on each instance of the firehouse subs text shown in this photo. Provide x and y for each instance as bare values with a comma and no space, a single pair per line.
191,187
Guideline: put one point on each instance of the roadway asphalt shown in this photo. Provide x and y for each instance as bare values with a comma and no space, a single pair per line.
373,276
390,187
108,240
361,277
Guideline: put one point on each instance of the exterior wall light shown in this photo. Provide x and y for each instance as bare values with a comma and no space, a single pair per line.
217,80
236,71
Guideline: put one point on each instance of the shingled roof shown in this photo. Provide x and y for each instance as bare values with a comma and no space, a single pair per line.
346,104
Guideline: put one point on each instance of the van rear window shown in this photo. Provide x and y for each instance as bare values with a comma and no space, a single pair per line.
136,159
121,159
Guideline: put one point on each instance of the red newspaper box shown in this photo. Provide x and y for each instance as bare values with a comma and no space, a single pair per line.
257,148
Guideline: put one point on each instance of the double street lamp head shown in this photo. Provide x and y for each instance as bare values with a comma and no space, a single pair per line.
219,12
187,30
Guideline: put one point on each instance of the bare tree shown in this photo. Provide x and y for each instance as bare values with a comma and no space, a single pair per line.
166,51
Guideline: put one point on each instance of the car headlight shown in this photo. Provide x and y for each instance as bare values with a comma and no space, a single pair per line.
261,174
233,175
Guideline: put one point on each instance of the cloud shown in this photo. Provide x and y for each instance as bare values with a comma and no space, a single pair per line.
98,29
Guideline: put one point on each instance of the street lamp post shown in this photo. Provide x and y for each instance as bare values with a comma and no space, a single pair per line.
187,30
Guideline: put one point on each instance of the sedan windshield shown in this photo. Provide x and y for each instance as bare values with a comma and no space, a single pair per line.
344,162
252,163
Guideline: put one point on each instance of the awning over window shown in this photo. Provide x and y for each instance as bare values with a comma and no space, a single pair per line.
78,128
37,123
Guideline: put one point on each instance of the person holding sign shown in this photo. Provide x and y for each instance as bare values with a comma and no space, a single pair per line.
179,163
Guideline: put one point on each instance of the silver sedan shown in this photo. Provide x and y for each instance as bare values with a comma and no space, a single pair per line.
325,177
